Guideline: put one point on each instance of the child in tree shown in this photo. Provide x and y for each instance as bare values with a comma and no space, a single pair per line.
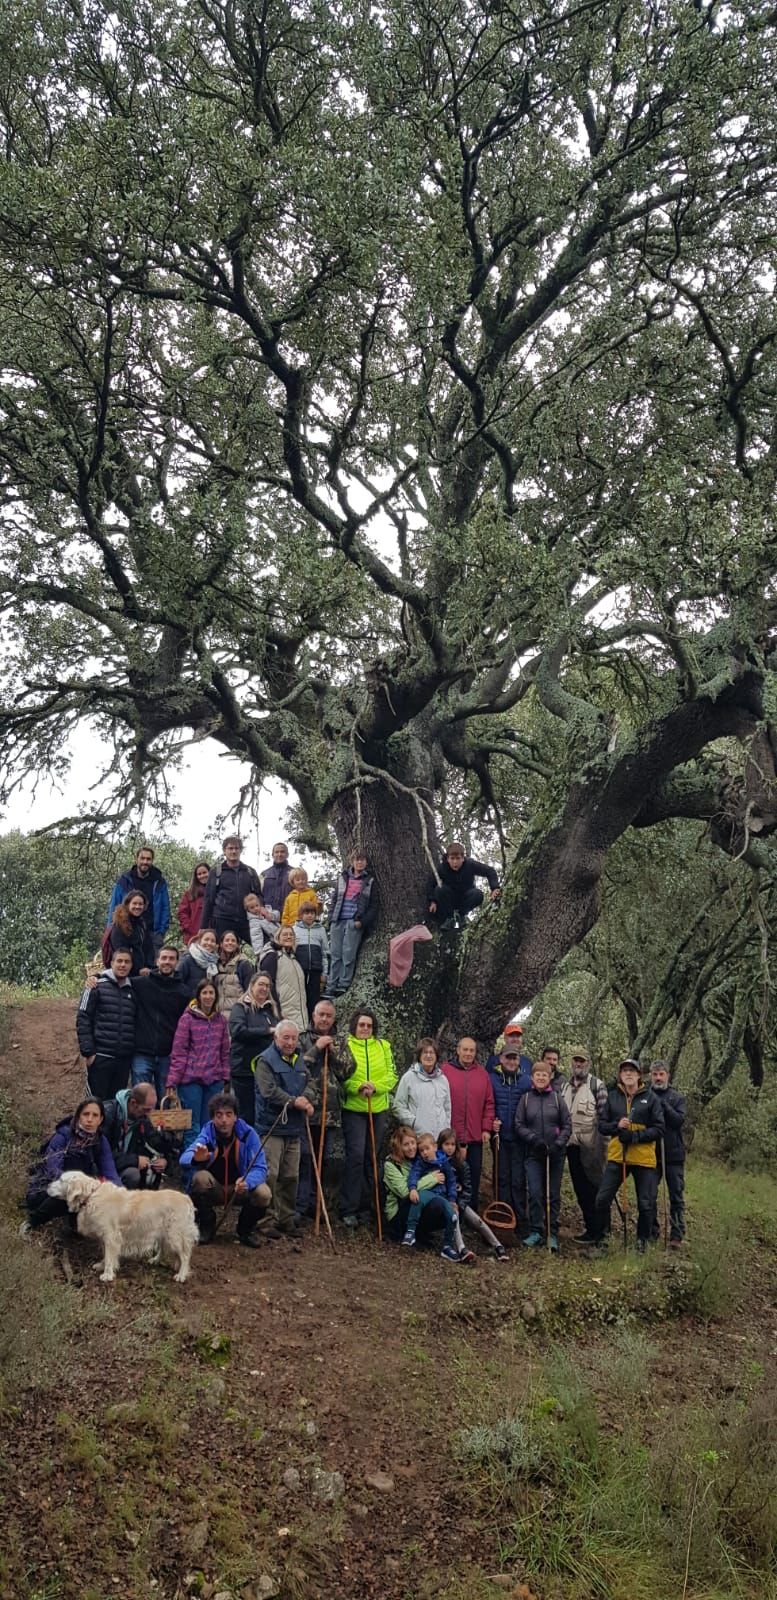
312,953
456,1153
261,930
299,895
428,1161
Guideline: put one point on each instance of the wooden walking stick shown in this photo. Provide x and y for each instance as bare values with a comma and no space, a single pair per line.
498,1214
320,1201
666,1195
547,1198
283,1116
321,1142
375,1172
625,1211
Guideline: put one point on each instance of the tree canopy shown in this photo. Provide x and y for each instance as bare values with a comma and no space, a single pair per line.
388,394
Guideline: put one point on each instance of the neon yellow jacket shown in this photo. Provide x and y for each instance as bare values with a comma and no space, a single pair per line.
373,1063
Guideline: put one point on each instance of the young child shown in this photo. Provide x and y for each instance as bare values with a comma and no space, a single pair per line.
450,1146
261,929
299,895
429,1159
312,952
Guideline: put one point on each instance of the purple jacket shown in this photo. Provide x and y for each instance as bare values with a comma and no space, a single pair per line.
200,1051
63,1153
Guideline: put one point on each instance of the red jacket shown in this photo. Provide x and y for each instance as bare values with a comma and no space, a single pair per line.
190,911
472,1101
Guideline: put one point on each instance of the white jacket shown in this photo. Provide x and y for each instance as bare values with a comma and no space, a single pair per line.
423,1100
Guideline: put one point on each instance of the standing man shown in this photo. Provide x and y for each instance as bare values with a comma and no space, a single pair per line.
148,879
160,1001
275,883
551,1056
105,1025
319,1043
472,1107
228,884
586,1099
455,895
283,1084
671,1152
510,1080
353,911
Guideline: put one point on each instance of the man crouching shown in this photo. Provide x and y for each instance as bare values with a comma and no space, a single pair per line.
227,1160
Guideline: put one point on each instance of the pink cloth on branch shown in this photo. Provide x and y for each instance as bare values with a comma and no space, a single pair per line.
401,952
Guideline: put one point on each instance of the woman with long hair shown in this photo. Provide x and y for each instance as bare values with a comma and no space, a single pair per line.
199,1062
251,1023
234,972
192,901
78,1144
128,931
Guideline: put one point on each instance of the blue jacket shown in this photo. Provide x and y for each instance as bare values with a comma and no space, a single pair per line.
419,1169
63,1153
154,888
248,1148
278,1082
524,1064
509,1089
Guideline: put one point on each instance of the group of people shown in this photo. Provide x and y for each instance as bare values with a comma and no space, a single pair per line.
284,1109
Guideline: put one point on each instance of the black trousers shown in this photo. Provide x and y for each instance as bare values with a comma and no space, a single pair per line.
645,1185
432,1220
358,1190
585,1189
536,1177
108,1074
675,1183
244,1090
44,1207
512,1177
447,901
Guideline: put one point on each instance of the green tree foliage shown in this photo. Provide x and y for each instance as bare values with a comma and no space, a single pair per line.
371,373
54,895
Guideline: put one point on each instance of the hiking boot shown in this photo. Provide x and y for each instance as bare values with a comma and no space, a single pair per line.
583,1238
533,1240
206,1223
448,1253
26,1228
409,1239
250,1240
268,1230
466,1257
350,1221
641,1246
292,1229
500,1254
554,1244
674,1244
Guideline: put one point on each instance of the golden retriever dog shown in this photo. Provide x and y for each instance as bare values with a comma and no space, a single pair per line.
154,1224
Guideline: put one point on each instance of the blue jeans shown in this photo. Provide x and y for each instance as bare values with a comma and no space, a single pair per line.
424,1198
196,1097
306,1188
151,1069
344,941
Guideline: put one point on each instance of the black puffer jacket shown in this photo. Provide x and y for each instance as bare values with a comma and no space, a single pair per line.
543,1122
674,1109
159,1004
105,1023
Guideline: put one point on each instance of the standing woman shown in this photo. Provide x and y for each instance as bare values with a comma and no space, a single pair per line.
199,1062
199,961
234,972
251,1023
369,1086
129,932
288,978
191,903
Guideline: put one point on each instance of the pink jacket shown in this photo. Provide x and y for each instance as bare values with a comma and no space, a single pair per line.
200,1051
472,1101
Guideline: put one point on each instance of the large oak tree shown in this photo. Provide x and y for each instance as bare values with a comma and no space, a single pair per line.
381,385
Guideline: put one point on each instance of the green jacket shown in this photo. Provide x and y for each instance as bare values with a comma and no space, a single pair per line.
372,1063
395,1183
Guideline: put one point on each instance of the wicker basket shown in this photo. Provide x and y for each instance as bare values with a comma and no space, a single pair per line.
171,1115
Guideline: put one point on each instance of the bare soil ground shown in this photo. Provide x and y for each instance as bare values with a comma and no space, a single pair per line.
282,1424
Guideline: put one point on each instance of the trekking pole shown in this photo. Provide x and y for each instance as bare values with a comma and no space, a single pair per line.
666,1196
625,1212
283,1116
375,1172
547,1198
322,1138
320,1201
